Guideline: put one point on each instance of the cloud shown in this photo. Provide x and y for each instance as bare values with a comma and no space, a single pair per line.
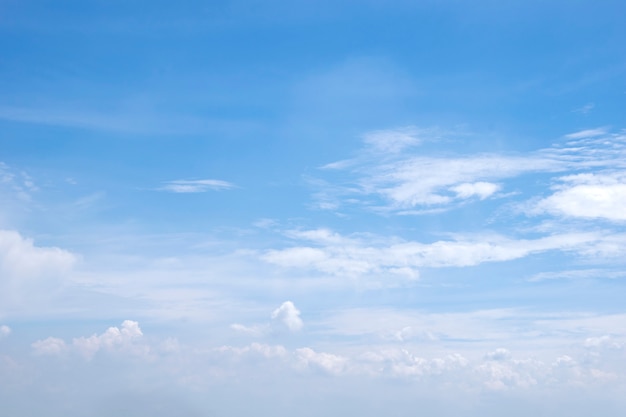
589,133
196,186
585,109
387,258
114,339
499,354
26,269
49,346
387,175
256,331
578,274
393,140
481,189
288,315
307,358
589,195
4,331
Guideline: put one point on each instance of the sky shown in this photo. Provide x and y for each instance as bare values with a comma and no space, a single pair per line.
234,208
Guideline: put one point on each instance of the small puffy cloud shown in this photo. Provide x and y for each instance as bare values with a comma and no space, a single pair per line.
196,186
592,196
288,315
49,346
114,339
4,331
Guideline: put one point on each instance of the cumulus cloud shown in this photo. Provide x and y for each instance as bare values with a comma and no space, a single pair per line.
589,195
289,316
4,331
196,186
114,339
26,268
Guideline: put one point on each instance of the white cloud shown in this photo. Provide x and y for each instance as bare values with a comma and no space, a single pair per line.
481,190
114,339
250,330
589,133
385,179
604,341
288,315
196,186
4,331
19,257
592,196
393,140
49,346
26,269
396,258
307,358
499,354
578,274
256,349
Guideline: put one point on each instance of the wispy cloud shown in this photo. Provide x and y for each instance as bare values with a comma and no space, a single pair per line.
392,258
385,179
196,186
585,109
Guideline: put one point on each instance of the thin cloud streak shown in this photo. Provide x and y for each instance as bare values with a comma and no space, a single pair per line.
196,186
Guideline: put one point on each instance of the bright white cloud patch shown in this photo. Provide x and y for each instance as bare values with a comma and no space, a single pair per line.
599,196
288,315
26,269
481,190
19,257
196,186
4,331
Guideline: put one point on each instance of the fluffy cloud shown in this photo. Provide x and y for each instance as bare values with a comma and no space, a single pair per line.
592,196
288,315
4,331
20,258
26,269
114,339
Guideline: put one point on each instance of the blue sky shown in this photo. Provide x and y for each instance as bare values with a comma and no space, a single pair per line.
236,207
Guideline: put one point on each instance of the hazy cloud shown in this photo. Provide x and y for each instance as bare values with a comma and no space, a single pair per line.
196,186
